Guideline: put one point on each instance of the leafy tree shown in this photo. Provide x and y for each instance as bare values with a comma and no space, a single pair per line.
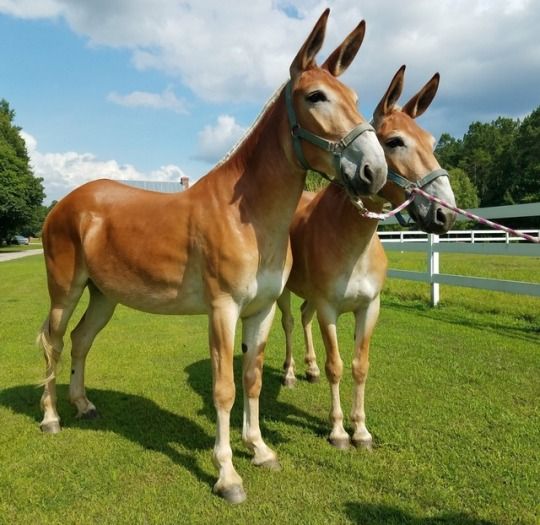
464,190
21,194
449,151
314,181
524,185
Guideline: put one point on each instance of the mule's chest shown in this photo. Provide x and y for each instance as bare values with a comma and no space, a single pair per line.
359,286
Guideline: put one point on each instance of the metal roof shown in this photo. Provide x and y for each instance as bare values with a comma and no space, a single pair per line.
162,186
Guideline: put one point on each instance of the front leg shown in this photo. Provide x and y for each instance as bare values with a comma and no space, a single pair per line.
254,337
222,325
327,317
366,319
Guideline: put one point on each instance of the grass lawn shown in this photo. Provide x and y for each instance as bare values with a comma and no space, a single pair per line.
452,402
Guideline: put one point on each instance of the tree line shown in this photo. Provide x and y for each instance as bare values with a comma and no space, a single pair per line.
493,164
21,194
501,160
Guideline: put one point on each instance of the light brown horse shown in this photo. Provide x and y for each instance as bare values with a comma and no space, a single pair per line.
223,244
339,264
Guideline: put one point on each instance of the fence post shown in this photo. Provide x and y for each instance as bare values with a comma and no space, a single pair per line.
433,267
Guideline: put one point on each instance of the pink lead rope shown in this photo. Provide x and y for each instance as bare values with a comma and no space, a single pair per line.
382,216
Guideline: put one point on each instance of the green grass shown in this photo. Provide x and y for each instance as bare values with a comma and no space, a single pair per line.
452,402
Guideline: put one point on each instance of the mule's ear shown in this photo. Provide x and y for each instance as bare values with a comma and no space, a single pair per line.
392,94
421,101
343,55
305,59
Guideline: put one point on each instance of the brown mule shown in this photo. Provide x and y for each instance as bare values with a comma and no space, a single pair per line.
223,248
339,264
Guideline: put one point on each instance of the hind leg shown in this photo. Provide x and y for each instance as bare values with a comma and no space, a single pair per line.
287,322
313,373
51,340
97,315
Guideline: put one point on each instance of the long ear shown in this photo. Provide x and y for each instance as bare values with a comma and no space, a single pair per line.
421,101
343,55
392,94
305,58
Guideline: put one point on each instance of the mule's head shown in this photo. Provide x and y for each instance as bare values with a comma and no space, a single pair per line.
328,133
409,153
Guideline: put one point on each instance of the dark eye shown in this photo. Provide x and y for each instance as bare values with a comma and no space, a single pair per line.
316,96
395,142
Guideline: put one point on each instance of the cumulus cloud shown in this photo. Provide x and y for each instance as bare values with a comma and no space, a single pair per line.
165,100
63,172
488,52
215,141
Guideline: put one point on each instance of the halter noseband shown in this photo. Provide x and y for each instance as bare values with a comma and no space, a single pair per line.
298,133
408,185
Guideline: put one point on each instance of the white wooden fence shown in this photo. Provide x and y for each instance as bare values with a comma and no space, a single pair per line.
481,242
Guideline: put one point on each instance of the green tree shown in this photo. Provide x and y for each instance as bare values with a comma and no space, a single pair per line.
524,183
449,151
21,194
314,181
464,190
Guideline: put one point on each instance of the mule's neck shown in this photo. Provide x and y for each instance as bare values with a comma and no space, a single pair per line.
267,181
346,218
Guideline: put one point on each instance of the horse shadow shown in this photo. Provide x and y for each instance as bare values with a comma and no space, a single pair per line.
271,407
372,514
134,417
154,428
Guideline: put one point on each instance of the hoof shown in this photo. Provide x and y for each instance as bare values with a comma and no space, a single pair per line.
91,414
289,382
270,464
364,444
52,427
233,495
311,378
341,443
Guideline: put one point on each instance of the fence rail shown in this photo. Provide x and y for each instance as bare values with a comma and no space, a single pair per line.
480,242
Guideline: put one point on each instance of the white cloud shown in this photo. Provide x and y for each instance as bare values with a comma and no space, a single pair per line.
216,141
487,51
63,172
165,100
31,8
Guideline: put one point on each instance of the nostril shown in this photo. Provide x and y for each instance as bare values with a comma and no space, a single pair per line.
441,217
368,174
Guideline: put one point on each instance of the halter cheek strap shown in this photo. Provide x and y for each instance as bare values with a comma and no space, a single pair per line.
298,133
408,185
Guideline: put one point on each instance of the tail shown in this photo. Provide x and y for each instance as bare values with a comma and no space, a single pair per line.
52,357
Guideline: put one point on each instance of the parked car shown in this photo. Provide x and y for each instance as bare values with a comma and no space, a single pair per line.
19,239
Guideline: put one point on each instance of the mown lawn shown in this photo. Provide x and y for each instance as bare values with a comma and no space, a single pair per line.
452,402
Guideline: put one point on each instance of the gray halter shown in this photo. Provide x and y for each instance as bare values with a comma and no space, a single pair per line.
298,133
408,185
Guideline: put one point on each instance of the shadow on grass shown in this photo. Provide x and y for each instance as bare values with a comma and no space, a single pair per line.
370,514
142,421
135,417
271,408
530,333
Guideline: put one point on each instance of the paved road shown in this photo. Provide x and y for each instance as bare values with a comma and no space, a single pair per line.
18,255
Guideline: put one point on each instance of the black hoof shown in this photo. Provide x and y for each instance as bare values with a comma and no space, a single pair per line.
233,495
340,443
312,378
52,427
91,414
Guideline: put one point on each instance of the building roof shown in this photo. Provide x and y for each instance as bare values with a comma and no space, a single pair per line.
162,186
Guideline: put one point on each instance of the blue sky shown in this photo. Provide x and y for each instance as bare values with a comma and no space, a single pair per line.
151,90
